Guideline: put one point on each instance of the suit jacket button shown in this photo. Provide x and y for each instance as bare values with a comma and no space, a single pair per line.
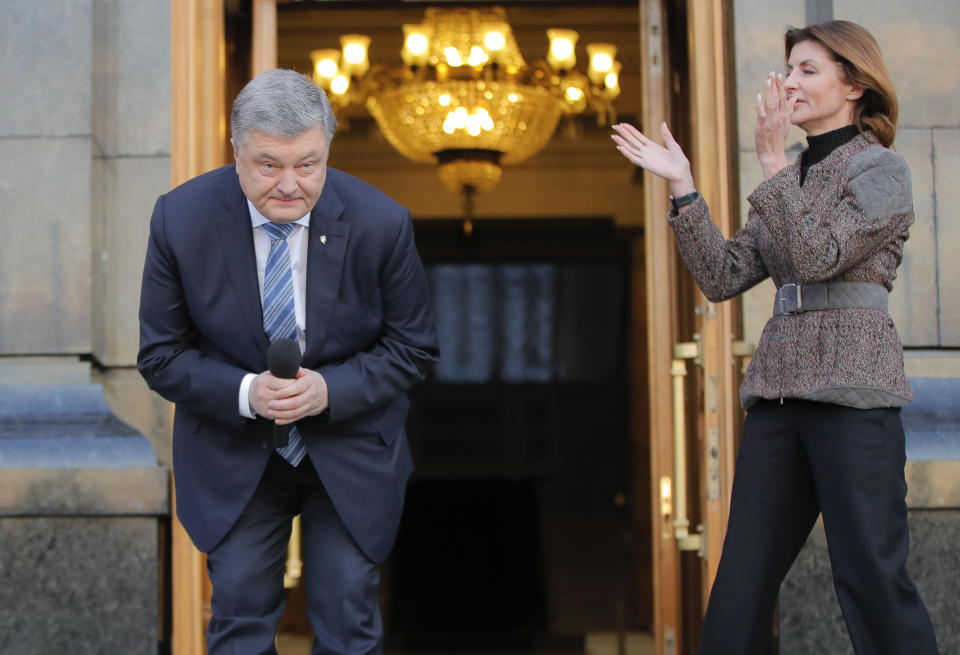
264,444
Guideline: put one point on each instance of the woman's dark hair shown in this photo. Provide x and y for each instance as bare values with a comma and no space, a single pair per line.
859,56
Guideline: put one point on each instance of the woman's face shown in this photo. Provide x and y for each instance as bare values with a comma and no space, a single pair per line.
824,100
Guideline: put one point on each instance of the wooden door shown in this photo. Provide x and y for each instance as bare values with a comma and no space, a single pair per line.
197,135
693,397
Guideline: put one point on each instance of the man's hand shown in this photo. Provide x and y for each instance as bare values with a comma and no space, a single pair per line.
289,400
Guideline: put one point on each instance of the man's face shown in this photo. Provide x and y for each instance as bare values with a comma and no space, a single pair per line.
283,177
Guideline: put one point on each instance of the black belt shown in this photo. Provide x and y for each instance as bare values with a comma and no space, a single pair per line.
799,298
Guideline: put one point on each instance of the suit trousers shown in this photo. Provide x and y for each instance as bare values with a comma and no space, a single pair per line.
796,460
246,570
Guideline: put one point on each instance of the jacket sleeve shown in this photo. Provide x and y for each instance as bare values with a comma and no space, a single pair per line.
822,240
406,348
723,268
171,358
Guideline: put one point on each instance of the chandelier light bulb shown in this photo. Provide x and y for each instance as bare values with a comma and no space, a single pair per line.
417,44
354,60
444,100
562,52
354,53
562,48
327,68
486,121
494,41
573,94
477,56
473,125
340,84
601,61
611,82
453,56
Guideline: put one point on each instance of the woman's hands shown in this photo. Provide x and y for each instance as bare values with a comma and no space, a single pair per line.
666,161
773,125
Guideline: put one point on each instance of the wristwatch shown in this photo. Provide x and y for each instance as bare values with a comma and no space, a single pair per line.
684,200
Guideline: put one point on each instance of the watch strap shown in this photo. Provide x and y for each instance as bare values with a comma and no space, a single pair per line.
684,200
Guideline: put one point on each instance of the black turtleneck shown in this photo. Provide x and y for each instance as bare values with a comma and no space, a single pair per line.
821,145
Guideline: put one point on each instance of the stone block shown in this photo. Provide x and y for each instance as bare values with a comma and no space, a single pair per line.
46,52
946,153
809,614
919,40
914,301
932,420
43,370
932,363
79,585
126,190
759,33
131,77
65,426
135,404
83,519
932,484
45,250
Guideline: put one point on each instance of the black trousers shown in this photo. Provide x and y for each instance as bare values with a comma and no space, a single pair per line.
796,460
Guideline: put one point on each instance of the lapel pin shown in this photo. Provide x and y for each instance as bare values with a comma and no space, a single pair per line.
323,238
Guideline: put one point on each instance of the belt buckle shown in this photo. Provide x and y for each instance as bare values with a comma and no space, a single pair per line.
797,298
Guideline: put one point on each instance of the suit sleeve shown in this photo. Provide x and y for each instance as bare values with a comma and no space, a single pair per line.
874,207
171,357
407,346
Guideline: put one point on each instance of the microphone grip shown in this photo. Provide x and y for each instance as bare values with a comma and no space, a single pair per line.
283,360
281,435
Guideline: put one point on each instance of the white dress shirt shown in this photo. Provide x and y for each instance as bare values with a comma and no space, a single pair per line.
297,245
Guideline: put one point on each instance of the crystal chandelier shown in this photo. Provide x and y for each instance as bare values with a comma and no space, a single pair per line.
465,99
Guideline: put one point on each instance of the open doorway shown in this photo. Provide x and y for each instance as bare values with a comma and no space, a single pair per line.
516,532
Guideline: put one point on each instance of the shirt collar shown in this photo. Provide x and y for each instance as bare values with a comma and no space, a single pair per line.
258,219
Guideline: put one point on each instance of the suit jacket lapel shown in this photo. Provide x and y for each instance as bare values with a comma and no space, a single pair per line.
236,240
327,245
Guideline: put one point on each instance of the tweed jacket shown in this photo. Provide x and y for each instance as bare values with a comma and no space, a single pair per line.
847,223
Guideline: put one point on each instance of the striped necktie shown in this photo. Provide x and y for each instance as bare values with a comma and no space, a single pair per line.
279,315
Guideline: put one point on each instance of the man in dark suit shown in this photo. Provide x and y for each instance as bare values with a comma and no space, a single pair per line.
279,246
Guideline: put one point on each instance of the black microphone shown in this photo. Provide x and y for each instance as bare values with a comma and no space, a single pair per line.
283,360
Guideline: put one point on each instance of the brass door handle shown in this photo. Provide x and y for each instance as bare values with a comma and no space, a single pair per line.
294,568
681,522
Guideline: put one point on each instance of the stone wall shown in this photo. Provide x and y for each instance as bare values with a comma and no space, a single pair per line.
45,176
84,152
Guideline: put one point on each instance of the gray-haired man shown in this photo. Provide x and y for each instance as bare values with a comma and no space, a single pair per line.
279,246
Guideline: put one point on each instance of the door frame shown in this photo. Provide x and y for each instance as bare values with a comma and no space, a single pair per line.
199,130
712,154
